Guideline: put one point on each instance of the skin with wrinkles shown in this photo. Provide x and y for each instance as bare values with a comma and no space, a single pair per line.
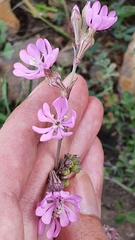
26,162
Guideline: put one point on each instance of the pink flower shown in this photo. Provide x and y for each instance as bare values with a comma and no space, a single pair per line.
40,56
55,212
60,123
97,17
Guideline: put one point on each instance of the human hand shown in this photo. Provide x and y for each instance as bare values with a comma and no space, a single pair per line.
26,162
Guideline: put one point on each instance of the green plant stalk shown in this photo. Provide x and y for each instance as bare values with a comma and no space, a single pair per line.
120,184
4,95
30,87
58,154
35,13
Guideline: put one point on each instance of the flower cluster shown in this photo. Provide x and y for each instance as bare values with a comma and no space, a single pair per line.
54,212
85,25
60,123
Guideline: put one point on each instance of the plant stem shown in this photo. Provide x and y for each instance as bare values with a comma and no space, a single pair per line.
30,87
121,185
73,73
58,154
36,14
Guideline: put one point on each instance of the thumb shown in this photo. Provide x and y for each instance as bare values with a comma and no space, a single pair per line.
88,226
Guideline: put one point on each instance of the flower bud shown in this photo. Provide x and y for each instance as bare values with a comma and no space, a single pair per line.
76,169
66,182
76,160
86,41
65,171
54,183
84,24
68,163
76,21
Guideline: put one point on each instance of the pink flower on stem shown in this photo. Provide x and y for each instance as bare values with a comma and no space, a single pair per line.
40,56
98,18
55,212
60,123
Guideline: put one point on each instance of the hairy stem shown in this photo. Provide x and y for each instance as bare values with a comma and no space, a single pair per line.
58,154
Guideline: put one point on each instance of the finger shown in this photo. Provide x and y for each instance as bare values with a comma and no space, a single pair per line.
93,165
45,161
44,157
88,128
88,225
18,128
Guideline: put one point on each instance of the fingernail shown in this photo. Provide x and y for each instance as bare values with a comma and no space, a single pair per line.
84,188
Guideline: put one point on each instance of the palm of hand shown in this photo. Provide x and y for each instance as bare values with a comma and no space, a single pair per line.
25,162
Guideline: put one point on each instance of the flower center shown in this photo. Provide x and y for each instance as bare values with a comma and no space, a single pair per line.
36,63
59,208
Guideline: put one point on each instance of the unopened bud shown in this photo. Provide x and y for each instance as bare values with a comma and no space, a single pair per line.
76,160
54,183
65,182
68,163
86,41
76,21
84,24
76,169
65,171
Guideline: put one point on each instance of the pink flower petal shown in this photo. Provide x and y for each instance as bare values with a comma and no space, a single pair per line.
55,53
21,71
25,57
64,194
71,121
39,211
48,46
40,43
43,203
89,15
112,14
73,217
41,227
61,106
46,110
47,136
104,11
64,220
42,130
33,51
61,134
46,218
42,117
110,22
96,7
57,228
49,61
96,22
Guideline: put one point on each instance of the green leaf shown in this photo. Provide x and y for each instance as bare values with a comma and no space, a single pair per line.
130,216
120,219
8,51
119,205
125,11
132,162
2,117
3,35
